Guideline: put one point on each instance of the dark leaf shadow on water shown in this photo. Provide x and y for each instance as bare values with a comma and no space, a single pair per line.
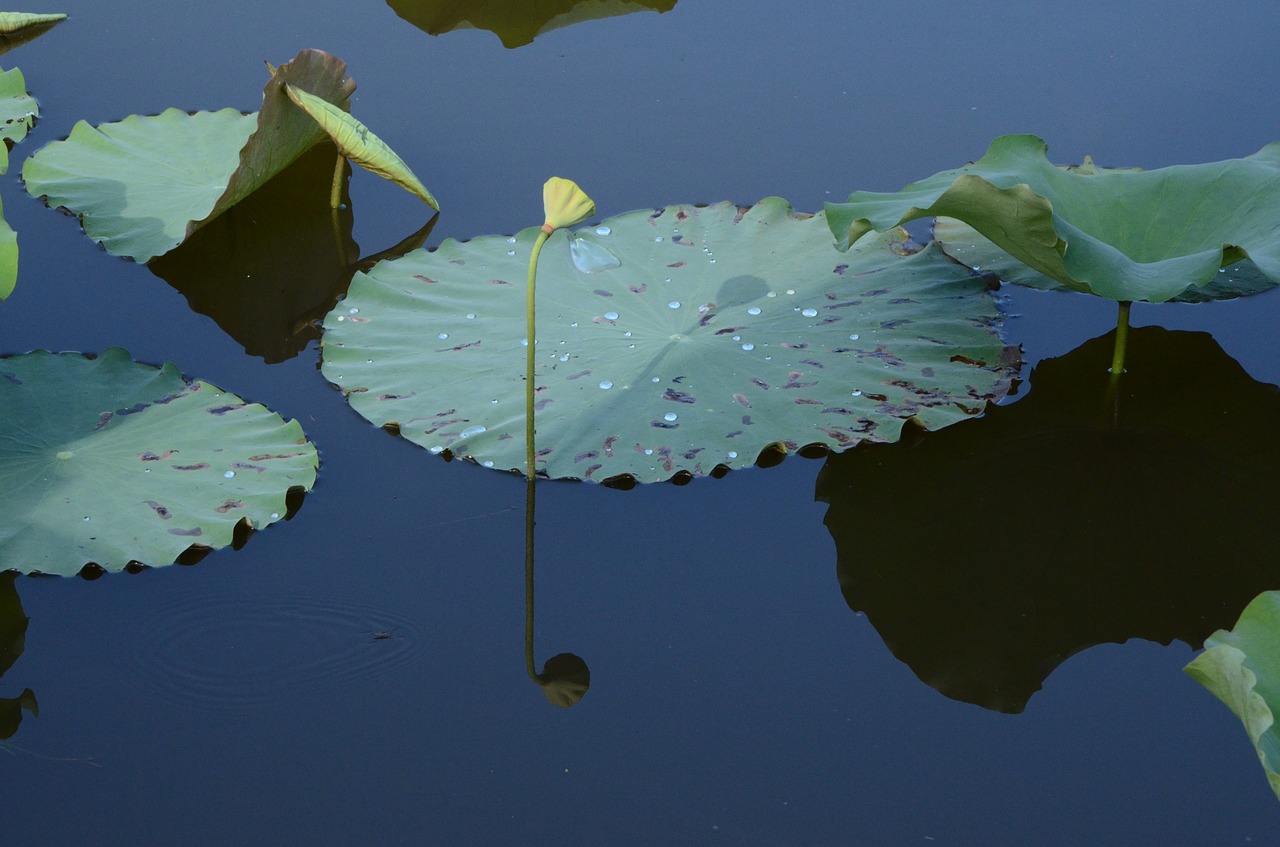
13,630
565,677
516,22
270,267
986,554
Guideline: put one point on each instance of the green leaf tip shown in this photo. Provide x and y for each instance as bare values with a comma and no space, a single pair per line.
358,143
11,22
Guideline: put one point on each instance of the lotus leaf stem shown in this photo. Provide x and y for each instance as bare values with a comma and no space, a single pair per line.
531,339
335,193
1122,339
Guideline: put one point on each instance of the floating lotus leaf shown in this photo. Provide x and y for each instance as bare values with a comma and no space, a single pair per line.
108,461
142,185
1242,668
18,111
358,143
714,332
516,22
1125,234
1105,510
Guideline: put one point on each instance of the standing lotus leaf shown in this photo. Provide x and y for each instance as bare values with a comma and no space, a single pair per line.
715,333
108,461
1124,234
142,185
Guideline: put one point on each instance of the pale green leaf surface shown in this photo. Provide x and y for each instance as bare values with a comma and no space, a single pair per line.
106,460
1242,668
8,257
142,185
359,144
719,332
18,112
1124,234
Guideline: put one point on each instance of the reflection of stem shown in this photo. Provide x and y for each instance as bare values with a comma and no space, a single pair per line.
1122,338
528,580
335,193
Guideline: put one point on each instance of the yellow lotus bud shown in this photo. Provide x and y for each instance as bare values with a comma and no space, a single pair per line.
565,204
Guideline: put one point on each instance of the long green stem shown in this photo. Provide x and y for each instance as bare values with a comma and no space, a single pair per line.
335,193
1122,339
531,336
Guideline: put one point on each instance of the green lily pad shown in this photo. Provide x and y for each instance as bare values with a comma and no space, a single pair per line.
142,185
516,22
18,112
108,461
1124,234
1242,668
675,341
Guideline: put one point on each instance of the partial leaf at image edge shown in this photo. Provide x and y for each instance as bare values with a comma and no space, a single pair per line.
11,22
1242,668
1123,234
108,461
359,144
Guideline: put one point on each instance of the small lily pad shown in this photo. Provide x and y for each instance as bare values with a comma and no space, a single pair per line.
718,332
108,461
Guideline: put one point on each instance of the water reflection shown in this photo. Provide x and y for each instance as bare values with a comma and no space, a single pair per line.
516,22
13,632
565,677
270,267
987,553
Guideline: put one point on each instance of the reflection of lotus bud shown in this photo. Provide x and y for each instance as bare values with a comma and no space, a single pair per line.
564,679
565,204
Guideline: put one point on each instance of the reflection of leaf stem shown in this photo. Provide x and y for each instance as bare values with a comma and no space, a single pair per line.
1122,338
528,580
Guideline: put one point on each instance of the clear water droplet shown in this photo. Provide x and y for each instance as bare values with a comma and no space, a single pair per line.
647,452
368,361
442,336
563,358
353,311
772,294
493,402
574,325
275,516
590,257
146,470
748,347
626,334
853,337
610,316
857,394
511,252
471,432
229,474
733,454
471,316
674,304
657,239
791,291
737,338
488,464
435,450
86,517
713,261
754,310
511,240
810,313
655,379
341,319
669,416
606,385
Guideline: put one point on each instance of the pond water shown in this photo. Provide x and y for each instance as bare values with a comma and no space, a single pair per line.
356,675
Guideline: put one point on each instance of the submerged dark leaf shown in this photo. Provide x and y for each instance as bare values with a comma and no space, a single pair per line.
516,22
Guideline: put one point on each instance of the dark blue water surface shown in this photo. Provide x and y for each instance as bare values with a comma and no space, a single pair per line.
735,699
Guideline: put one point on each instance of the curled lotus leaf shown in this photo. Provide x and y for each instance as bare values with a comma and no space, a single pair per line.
107,461
142,185
1124,234
684,340
1241,667
12,22
516,22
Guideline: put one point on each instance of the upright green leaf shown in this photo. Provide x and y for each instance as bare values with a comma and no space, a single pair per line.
1242,668
142,185
1124,234
11,22
359,144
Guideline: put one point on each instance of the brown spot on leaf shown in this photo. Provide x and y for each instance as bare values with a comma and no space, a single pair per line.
189,533
678,396
228,505
741,400
428,280
198,467
159,510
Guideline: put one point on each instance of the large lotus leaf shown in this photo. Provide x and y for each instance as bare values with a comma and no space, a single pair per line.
1242,668
1124,234
516,22
143,185
1174,468
672,341
965,244
108,461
